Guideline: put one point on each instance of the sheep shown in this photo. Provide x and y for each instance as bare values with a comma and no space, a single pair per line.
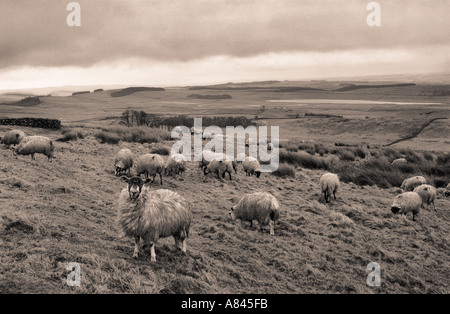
176,164
12,137
270,147
399,161
220,167
123,161
407,202
147,215
150,165
241,157
329,183
447,190
411,183
427,193
195,131
207,157
206,136
250,141
260,206
251,167
31,145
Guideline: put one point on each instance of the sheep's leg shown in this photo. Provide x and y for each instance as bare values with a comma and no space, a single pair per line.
271,225
160,178
334,194
434,206
32,156
152,253
251,223
229,173
177,241
136,246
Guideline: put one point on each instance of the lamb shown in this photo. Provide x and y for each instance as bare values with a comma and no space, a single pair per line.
123,161
399,161
407,202
147,215
260,206
411,183
150,165
329,183
31,145
12,137
220,167
251,167
427,193
447,190
176,164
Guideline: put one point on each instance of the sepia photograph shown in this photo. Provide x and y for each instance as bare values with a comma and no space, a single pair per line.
224,152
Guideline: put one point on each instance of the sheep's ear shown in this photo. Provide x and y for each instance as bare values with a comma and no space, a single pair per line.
124,178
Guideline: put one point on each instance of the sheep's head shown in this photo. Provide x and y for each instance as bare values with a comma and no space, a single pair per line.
258,172
395,209
119,167
232,213
135,185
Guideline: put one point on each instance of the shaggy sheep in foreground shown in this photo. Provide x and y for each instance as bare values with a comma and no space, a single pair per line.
147,215
176,164
399,161
123,161
251,167
411,183
221,167
31,145
260,206
427,193
407,202
447,190
329,184
150,165
13,137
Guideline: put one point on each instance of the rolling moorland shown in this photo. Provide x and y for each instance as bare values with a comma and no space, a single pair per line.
54,213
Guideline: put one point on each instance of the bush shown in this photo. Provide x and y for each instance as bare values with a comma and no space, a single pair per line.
71,135
139,134
284,170
303,160
346,155
160,150
108,137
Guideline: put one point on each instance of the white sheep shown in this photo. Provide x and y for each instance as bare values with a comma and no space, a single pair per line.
12,137
176,164
329,184
399,161
206,136
220,167
427,193
407,202
123,161
251,167
411,183
447,190
147,215
250,141
270,147
196,131
31,145
207,157
260,206
150,165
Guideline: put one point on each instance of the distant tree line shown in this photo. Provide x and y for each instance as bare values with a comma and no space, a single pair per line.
33,122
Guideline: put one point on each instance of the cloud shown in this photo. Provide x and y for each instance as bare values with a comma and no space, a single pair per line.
36,34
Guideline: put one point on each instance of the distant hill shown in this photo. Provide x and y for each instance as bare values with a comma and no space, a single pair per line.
25,102
131,90
81,93
198,96
353,87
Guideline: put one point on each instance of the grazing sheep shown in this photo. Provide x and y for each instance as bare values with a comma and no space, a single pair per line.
147,215
447,191
270,147
206,136
150,165
427,193
123,161
329,184
31,145
195,131
399,161
250,141
13,137
251,167
176,164
260,206
207,157
407,202
220,167
411,183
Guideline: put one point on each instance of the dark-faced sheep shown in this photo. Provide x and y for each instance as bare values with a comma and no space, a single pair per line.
13,137
176,164
427,193
411,183
407,202
220,167
147,215
260,206
329,184
123,161
150,165
251,167
32,145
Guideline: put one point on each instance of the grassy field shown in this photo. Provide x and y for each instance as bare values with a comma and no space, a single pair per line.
65,211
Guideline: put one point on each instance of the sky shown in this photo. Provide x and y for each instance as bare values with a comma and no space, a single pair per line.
188,42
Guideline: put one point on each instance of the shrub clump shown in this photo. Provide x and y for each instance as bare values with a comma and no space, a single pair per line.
284,170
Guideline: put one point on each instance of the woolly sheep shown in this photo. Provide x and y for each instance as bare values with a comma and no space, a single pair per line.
207,157
427,193
447,191
221,167
251,167
250,141
260,206
196,131
329,184
150,165
399,161
12,137
31,145
147,215
407,202
206,136
176,164
123,161
411,183
270,147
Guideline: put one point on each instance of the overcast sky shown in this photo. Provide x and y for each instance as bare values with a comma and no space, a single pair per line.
169,42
